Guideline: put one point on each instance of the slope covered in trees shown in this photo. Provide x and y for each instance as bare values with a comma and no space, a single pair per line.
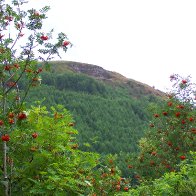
109,114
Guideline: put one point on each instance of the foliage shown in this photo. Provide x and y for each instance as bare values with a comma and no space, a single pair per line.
44,158
22,45
180,183
171,135
21,61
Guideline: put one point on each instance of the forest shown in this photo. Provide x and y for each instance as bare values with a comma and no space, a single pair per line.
103,113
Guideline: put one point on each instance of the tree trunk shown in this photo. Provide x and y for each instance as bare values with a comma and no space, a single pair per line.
5,177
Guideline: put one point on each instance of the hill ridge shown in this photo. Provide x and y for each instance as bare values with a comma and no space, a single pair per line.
100,73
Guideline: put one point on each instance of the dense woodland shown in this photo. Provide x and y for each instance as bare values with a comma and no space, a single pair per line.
109,119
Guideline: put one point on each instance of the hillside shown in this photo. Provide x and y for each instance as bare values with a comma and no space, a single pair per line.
137,88
110,110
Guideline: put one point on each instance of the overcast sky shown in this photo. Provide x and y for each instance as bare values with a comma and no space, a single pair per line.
145,40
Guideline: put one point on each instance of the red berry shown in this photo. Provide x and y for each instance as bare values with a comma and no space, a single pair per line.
11,115
165,113
169,103
126,188
5,138
178,114
184,81
66,43
11,121
22,116
130,166
156,115
169,143
34,135
1,122
7,68
191,119
44,37
180,106
182,157
183,121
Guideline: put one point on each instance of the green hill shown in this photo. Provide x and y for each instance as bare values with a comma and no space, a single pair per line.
109,109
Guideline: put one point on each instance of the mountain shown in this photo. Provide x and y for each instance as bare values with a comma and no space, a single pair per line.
110,110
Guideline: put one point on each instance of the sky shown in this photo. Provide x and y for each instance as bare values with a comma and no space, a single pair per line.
144,40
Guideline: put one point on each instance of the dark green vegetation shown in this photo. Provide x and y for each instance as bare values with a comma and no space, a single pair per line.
110,110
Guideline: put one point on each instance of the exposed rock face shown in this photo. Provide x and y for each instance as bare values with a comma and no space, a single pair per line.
94,71
102,74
